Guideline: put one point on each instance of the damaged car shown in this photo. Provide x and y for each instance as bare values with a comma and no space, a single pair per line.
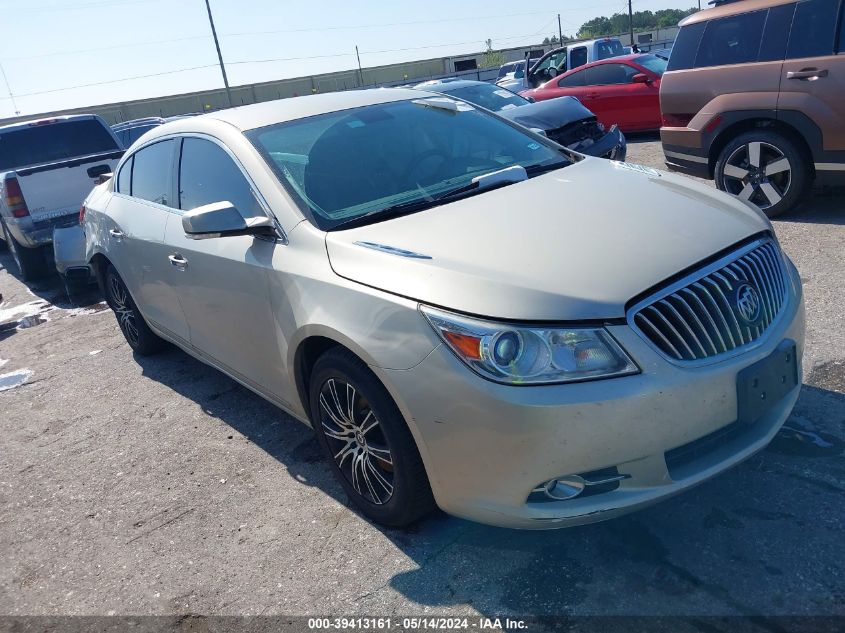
565,121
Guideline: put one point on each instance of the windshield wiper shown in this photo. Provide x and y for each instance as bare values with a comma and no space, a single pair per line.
484,182
533,170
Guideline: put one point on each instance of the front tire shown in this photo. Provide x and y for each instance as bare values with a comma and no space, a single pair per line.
367,442
30,262
136,331
765,168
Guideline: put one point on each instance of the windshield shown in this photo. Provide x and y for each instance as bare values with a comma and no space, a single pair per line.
655,64
53,142
344,165
488,96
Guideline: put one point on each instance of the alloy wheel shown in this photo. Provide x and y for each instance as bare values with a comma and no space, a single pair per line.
357,441
759,173
123,309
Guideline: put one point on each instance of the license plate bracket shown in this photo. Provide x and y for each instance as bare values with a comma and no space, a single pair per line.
762,385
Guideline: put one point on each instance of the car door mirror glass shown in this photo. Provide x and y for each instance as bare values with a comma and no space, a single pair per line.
222,219
640,78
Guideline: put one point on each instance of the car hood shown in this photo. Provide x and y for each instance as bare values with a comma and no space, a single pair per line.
548,115
576,243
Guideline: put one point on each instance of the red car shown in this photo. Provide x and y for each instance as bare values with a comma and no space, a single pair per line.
623,90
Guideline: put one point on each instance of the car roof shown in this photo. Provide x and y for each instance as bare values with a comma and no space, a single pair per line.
452,85
731,8
258,115
55,119
150,120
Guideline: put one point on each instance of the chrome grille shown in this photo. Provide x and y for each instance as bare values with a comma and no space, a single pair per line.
698,318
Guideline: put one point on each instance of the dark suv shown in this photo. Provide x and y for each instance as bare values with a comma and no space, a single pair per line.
754,97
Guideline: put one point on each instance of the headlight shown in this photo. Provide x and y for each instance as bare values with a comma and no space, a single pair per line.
516,354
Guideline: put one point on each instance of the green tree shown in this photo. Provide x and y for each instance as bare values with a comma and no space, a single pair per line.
642,21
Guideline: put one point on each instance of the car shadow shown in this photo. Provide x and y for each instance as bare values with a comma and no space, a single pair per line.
762,538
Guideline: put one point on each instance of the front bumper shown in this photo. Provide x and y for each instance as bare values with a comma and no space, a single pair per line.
612,146
486,446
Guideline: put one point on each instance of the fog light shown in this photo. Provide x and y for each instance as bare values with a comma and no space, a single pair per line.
567,487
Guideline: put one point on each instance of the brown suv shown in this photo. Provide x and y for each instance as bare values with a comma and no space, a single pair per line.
754,97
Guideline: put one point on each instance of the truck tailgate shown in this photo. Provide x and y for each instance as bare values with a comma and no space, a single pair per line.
58,189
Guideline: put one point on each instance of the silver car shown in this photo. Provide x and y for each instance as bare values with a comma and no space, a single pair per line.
468,315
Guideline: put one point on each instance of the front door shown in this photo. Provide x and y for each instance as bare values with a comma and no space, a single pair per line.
223,282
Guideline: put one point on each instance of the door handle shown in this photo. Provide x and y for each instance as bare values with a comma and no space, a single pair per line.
116,234
177,260
807,74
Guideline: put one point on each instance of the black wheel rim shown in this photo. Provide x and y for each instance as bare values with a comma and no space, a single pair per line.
356,440
758,172
126,317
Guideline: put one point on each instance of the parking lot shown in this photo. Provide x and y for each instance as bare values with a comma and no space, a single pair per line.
159,486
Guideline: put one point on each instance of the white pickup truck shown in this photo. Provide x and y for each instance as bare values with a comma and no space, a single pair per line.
47,168
558,61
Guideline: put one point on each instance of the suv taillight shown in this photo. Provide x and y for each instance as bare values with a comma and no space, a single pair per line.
676,120
14,197
81,214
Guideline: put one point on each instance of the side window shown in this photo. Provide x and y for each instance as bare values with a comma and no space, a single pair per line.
776,33
124,178
151,173
607,74
813,29
686,47
731,40
841,47
574,80
578,56
208,174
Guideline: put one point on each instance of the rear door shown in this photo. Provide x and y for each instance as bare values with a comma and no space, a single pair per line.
813,80
223,283
137,214
726,64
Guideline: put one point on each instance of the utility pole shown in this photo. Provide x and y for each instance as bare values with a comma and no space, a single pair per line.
631,21
9,88
219,54
360,72
559,32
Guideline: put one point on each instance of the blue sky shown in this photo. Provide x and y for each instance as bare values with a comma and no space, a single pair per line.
49,45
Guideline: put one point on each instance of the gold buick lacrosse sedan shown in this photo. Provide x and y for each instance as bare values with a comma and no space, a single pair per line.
467,314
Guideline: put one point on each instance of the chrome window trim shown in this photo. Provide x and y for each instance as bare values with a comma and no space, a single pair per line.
696,276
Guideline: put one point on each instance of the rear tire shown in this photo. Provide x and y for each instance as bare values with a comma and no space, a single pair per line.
138,334
367,442
31,262
766,168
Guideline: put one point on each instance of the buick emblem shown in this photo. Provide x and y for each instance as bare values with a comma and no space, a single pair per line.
747,304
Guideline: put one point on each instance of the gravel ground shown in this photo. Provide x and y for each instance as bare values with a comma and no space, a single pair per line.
159,486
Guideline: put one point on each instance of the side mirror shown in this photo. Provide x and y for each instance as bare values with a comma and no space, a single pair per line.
552,72
641,78
99,180
531,99
222,219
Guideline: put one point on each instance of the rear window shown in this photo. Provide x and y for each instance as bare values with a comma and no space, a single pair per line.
54,142
610,48
731,40
773,46
686,47
813,29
